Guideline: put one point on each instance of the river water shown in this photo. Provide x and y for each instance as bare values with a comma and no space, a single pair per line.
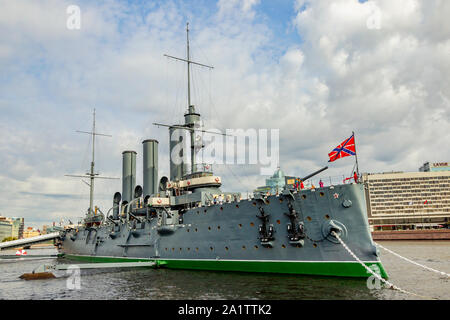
165,284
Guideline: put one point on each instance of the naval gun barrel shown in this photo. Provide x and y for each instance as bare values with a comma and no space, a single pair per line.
314,173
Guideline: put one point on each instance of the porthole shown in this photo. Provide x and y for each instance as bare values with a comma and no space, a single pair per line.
254,203
314,245
221,208
281,200
211,248
327,217
188,249
252,224
308,218
187,230
209,228
322,194
196,230
283,246
218,227
226,248
304,196
256,247
243,248
240,225
196,249
278,221
204,211
237,206
180,249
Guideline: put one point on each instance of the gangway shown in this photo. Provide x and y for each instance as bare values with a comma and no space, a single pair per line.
28,241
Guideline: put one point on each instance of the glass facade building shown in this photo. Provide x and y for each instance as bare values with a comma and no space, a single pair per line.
11,227
274,184
5,229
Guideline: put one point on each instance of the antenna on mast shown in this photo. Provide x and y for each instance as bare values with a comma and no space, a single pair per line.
189,62
91,174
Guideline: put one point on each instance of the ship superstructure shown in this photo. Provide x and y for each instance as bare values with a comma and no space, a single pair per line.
185,221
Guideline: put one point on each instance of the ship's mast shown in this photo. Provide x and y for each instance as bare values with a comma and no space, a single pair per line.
91,174
190,107
191,117
188,64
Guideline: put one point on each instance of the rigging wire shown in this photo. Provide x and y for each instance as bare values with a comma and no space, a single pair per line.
214,110
84,162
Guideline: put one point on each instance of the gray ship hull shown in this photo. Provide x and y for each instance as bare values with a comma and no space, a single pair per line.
227,236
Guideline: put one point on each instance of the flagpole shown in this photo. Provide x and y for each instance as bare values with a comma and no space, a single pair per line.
356,154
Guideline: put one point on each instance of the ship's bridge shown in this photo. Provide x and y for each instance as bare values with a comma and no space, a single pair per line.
202,177
200,169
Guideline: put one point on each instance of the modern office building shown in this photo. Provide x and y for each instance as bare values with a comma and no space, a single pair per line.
11,227
5,229
408,200
17,227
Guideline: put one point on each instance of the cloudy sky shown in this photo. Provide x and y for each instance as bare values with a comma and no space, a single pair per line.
315,70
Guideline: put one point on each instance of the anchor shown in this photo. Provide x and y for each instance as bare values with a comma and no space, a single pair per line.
295,229
265,234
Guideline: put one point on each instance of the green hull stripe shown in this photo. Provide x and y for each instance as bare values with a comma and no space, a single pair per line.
341,269
103,259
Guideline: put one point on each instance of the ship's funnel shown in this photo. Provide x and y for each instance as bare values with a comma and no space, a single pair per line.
128,175
116,202
177,145
150,166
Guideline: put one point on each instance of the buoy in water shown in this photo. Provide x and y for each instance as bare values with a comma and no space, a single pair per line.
37,276
21,252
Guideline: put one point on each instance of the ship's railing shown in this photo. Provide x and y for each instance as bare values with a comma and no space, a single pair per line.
314,182
329,181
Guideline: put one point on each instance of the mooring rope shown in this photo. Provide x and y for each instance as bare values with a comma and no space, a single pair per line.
413,262
390,285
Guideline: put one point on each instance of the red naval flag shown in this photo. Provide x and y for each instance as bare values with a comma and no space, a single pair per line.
345,149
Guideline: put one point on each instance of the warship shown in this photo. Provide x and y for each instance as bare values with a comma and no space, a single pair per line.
186,221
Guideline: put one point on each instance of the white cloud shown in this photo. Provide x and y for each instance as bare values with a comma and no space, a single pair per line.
389,83
242,8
